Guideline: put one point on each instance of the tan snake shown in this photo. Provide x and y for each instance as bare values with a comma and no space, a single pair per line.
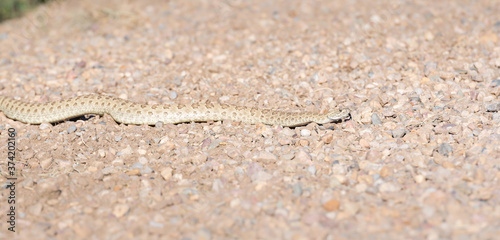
124,111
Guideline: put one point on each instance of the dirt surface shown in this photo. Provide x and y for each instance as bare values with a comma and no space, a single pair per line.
420,158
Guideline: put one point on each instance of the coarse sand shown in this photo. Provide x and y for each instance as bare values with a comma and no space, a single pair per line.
420,158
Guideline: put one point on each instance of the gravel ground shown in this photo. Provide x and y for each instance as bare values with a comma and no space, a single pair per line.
420,158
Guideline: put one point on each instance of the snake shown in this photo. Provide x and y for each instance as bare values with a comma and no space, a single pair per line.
127,112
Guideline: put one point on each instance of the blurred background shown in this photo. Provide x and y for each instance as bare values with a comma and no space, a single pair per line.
15,8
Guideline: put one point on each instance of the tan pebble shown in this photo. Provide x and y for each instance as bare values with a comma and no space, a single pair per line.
234,203
327,138
391,212
83,230
342,179
126,150
303,156
267,156
101,152
366,179
46,163
35,209
64,164
199,159
303,142
331,205
425,80
120,210
419,179
117,162
386,171
447,164
33,164
361,187
373,155
489,37
446,75
169,54
429,36
166,147
389,187
284,141
485,194
52,202
134,172
478,176
141,151
364,143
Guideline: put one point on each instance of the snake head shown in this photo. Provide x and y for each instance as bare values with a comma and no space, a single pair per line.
339,114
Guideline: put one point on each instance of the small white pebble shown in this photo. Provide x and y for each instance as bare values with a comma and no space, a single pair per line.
419,179
305,132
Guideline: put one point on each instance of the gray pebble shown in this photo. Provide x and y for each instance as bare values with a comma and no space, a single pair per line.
495,83
398,133
155,224
146,170
493,107
297,190
71,128
159,124
137,165
437,108
445,149
429,68
474,76
312,170
376,119
173,95
371,190
118,138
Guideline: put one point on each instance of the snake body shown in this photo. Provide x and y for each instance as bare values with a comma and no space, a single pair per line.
127,112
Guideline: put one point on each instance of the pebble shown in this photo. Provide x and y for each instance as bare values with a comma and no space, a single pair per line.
389,187
312,170
146,170
429,68
173,95
45,126
493,107
215,143
297,190
71,128
166,173
118,138
156,224
305,132
303,156
445,149
398,133
267,156
419,178
120,210
495,83
327,138
331,205
376,119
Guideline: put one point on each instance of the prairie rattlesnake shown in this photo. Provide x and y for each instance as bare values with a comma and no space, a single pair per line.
124,111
